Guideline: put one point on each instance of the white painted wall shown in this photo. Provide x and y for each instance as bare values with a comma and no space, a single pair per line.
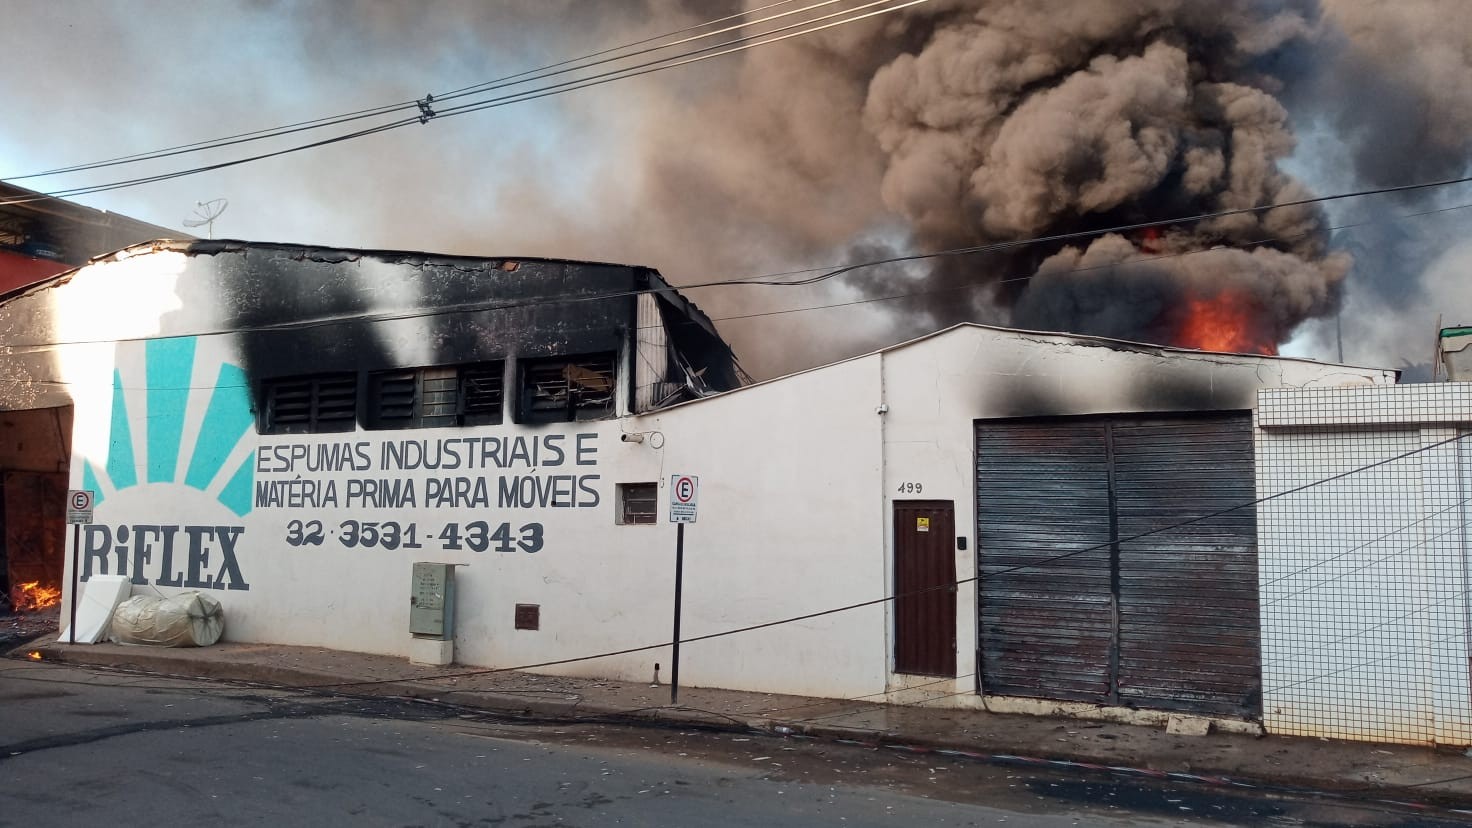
602,587
938,386
789,505
798,478
789,516
1364,577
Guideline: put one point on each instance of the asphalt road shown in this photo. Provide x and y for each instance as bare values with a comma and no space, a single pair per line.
82,746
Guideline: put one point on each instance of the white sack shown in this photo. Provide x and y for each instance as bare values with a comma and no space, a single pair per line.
189,619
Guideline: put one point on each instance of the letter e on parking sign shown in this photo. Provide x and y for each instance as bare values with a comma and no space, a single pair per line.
684,494
79,504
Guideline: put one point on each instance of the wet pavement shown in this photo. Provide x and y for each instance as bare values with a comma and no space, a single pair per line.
1219,760
82,744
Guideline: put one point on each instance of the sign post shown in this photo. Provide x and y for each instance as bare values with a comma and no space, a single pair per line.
684,491
79,503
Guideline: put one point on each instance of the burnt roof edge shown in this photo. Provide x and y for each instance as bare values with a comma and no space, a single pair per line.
660,286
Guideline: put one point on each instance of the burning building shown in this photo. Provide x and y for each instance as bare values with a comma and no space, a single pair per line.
41,236
293,427
35,452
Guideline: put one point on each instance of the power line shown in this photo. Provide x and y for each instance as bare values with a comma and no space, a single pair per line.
1126,228
761,280
694,56
1363,664
706,53
191,684
500,84
333,120
1352,667
1357,632
1088,269
942,587
219,143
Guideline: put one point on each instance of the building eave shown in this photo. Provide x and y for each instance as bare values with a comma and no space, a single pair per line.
1079,340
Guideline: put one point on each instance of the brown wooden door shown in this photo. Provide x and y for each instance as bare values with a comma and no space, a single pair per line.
925,587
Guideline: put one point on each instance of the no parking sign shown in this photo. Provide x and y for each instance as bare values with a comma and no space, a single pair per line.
79,504
684,494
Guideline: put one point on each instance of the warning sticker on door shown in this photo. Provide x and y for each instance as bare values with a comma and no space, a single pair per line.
922,524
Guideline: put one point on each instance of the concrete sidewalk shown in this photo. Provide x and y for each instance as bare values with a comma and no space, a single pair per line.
1365,770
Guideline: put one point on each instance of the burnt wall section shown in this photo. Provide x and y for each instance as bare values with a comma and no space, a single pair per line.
345,311
295,310
701,352
30,376
303,310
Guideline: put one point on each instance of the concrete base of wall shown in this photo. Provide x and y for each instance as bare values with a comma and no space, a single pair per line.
930,693
432,652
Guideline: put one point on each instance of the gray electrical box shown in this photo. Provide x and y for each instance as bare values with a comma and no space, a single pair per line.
432,602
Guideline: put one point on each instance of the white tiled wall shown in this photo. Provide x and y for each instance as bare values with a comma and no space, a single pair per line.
1413,404
1363,586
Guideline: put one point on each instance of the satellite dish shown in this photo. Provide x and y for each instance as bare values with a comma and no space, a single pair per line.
205,213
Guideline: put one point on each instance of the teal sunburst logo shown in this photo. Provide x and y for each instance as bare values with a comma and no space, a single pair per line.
170,413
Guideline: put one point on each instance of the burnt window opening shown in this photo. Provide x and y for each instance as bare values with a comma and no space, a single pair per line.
567,389
638,503
306,405
482,391
435,397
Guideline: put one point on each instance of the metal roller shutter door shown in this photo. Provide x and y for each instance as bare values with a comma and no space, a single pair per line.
1188,613
1168,620
1046,629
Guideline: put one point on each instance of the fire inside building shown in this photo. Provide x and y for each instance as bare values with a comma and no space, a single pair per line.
1061,518
40,237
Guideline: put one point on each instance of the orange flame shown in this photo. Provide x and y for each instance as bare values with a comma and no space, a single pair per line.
1227,322
1150,240
32,596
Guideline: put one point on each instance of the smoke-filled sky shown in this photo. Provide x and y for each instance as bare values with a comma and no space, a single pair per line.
950,123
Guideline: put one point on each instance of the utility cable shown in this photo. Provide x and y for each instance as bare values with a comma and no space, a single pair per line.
706,53
1123,228
941,587
702,54
1062,272
333,120
1341,797
1392,655
472,307
501,83
1358,547
1296,655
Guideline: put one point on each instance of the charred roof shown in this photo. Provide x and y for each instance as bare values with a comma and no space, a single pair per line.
414,258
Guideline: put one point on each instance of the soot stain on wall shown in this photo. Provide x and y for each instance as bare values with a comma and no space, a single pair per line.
301,310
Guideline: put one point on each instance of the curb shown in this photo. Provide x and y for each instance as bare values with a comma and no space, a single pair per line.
296,678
